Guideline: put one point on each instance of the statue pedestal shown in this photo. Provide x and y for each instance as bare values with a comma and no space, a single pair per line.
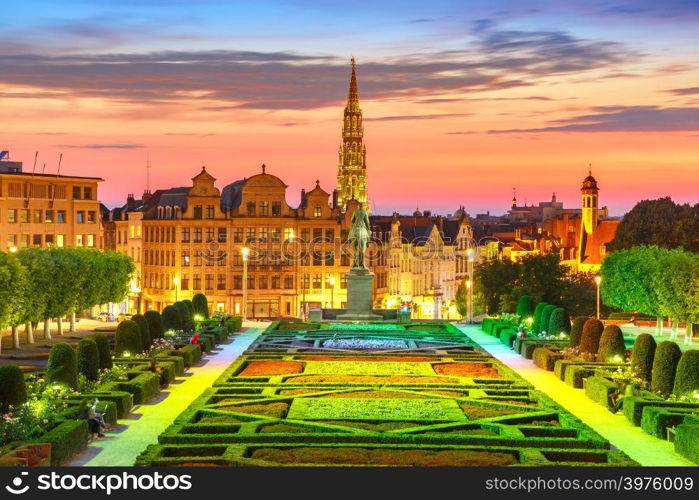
360,298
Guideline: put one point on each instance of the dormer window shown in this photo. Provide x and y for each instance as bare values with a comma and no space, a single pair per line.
251,209
198,212
317,211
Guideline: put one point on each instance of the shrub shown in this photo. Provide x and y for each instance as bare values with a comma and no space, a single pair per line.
128,338
687,441
201,305
172,319
88,358
667,355
687,375
67,439
62,366
234,324
546,318
546,358
524,306
642,356
592,331
576,330
536,326
189,305
611,344
144,330
559,321
186,315
103,351
13,392
155,324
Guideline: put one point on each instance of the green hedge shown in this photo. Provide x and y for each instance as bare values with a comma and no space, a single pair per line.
186,316
611,344
88,359
67,439
546,358
191,354
524,307
559,322
576,330
128,338
507,336
123,400
234,324
642,355
687,441
62,366
177,362
687,375
591,334
546,318
667,355
536,325
143,386
634,405
155,324
655,420
103,350
13,391
144,330
598,389
172,319
201,305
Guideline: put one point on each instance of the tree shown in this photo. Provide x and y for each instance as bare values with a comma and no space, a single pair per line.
524,306
461,298
492,279
64,290
12,279
559,322
660,222
201,305
172,319
39,266
676,284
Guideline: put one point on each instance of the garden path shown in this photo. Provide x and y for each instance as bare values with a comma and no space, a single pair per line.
141,428
644,448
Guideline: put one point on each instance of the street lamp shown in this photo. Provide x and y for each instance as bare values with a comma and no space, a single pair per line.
469,284
331,282
245,252
598,280
12,249
176,282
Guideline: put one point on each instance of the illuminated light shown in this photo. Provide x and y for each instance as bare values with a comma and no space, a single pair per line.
470,253
245,252
468,284
134,288
563,335
56,387
291,235
530,320
176,280
126,354
12,249
198,317
617,359
331,280
598,279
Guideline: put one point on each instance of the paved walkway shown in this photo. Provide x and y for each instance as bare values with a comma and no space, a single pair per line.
644,448
141,428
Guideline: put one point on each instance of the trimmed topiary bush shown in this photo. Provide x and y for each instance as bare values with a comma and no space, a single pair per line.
559,321
155,324
611,344
687,374
144,328
172,319
524,307
201,305
591,334
667,355
189,305
642,356
546,318
536,325
13,391
103,350
185,315
128,338
576,330
62,366
88,359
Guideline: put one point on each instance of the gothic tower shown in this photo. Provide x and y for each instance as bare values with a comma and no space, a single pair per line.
351,171
589,203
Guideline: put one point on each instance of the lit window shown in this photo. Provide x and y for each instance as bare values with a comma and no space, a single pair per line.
317,211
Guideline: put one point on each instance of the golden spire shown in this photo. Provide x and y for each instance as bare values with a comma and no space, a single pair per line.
353,93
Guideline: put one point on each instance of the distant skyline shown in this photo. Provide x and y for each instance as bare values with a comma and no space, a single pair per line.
462,101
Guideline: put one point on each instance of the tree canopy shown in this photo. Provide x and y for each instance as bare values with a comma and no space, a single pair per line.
660,222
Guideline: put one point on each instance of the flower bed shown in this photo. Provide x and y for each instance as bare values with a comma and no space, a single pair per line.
364,344
470,370
261,368
368,379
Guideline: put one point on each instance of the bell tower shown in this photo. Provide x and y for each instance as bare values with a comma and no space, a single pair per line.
589,192
351,171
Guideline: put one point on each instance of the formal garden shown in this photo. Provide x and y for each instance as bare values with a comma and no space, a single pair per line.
43,412
374,394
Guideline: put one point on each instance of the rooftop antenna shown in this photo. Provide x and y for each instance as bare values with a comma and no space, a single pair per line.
36,156
44,168
60,159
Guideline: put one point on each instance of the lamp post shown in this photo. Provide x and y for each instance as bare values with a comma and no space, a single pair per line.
331,282
245,252
469,285
598,280
12,249
176,282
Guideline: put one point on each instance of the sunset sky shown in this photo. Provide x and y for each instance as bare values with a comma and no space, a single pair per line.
462,101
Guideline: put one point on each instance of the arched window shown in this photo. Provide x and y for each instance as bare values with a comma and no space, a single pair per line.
168,212
160,212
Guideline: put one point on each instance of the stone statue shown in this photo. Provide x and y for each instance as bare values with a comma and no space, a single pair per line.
358,238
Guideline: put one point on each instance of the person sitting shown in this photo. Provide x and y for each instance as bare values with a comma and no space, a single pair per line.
194,339
95,420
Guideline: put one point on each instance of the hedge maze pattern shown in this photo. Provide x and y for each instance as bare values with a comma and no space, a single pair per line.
435,400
